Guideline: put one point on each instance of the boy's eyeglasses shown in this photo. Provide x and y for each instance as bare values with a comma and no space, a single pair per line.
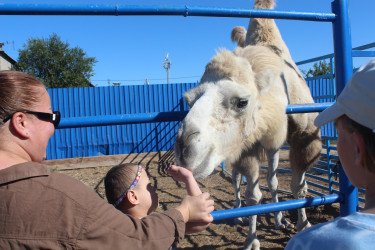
55,117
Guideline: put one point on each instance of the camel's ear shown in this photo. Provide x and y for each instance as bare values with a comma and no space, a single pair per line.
238,35
264,80
194,94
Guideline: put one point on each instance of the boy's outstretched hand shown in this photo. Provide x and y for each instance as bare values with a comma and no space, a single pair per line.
179,173
185,175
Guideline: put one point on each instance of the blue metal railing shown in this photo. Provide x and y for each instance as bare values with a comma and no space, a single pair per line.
274,207
161,10
356,51
88,121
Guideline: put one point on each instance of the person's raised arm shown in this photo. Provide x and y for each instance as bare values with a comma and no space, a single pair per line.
182,174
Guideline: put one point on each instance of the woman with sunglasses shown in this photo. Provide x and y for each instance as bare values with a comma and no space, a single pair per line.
43,210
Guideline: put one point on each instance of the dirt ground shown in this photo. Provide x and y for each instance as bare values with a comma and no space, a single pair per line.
220,234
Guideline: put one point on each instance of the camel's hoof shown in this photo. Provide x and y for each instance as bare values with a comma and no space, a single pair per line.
252,244
290,226
303,226
283,224
241,221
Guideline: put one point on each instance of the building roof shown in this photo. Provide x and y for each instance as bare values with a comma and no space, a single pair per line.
5,55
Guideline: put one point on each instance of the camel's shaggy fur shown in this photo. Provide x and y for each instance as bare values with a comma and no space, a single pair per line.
239,109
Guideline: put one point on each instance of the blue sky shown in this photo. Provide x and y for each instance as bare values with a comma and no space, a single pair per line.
130,49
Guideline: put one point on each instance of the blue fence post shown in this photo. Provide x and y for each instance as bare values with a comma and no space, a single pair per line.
332,77
328,144
343,71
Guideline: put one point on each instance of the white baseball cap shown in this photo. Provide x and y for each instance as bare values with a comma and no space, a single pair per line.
357,100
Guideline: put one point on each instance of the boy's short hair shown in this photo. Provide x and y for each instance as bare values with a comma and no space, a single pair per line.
356,106
368,139
118,180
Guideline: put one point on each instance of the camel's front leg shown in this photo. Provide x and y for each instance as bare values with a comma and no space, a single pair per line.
236,181
253,197
249,167
273,161
299,189
305,150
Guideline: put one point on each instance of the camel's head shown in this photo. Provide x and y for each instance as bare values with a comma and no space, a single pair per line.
224,112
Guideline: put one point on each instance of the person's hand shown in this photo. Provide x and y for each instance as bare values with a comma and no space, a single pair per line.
197,208
179,173
186,176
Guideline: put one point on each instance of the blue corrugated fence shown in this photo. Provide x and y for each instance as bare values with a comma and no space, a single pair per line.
323,90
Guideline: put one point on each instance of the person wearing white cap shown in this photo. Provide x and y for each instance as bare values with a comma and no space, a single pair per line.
354,117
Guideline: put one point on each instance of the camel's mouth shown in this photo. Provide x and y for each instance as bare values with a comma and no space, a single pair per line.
206,166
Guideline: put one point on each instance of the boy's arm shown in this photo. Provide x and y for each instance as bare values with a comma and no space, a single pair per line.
192,187
186,176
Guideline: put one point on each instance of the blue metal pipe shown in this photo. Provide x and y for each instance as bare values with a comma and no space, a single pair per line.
355,50
315,192
88,121
330,172
123,10
357,53
307,108
76,122
274,207
343,71
318,178
330,147
319,170
310,183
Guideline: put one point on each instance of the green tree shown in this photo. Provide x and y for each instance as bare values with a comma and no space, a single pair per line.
321,68
53,62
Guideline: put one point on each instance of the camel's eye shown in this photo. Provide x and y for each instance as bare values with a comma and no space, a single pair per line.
242,103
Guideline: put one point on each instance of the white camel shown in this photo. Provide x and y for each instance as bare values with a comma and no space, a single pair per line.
239,108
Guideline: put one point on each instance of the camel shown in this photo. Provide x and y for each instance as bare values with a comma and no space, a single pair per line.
238,109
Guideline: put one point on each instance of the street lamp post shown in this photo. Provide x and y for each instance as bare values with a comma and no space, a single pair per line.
167,65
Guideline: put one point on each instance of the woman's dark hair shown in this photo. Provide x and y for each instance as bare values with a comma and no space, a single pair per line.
18,92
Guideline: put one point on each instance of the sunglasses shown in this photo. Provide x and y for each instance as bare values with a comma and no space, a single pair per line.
55,117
